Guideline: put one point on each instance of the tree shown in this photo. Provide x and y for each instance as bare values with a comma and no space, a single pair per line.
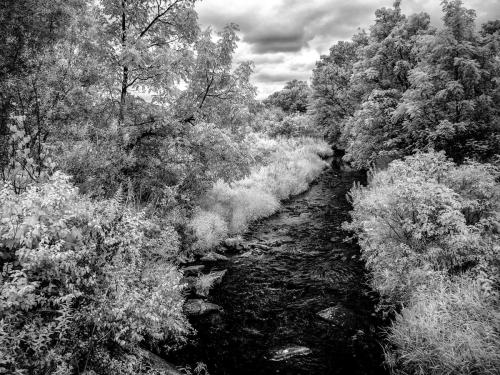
39,70
422,89
379,79
449,104
146,45
293,98
217,92
332,99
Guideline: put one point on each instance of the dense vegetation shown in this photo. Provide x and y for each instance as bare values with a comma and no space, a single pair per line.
131,142
424,98
407,86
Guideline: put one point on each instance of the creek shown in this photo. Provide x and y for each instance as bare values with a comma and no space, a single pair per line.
289,268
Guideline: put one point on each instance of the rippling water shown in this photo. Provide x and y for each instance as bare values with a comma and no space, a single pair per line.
271,295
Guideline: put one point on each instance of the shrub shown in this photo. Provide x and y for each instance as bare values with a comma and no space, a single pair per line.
412,223
428,231
450,329
209,229
96,168
83,281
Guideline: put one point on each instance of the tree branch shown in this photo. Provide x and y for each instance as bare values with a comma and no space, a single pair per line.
158,16
206,93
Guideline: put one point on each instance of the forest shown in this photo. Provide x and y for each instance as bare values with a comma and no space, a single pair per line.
132,145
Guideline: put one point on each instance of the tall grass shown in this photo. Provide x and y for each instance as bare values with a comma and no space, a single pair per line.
286,168
452,329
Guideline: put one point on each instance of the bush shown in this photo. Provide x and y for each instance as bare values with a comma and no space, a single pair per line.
414,221
209,229
291,167
428,231
451,329
83,281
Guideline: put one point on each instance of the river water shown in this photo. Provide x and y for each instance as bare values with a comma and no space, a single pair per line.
294,265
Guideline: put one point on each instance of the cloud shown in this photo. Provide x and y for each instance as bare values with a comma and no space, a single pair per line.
286,37
268,58
276,39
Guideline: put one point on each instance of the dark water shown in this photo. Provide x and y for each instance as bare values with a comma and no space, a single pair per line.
271,296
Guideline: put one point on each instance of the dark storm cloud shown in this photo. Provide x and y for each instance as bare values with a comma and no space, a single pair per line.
292,26
276,39
288,26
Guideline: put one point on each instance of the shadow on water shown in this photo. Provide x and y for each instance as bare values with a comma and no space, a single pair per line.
298,265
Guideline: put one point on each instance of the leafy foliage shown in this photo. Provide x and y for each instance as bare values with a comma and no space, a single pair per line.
82,282
293,98
408,86
418,219
332,97
217,93
428,230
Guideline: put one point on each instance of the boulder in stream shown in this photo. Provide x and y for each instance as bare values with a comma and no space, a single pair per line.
189,283
198,307
289,352
233,244
260,246
246,254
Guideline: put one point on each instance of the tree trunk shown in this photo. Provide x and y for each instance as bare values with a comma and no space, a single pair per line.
123,96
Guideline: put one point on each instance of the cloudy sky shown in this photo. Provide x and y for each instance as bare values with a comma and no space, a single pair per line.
284,38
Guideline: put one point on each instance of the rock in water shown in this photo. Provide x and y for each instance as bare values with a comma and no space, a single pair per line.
193,270
214,257
217,276
334,314
290,352
246,254
189,283
336,239
198,307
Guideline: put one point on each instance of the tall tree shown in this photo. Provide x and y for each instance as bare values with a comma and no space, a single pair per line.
332,97
450,104
147,45
37,74
380,77
217,91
